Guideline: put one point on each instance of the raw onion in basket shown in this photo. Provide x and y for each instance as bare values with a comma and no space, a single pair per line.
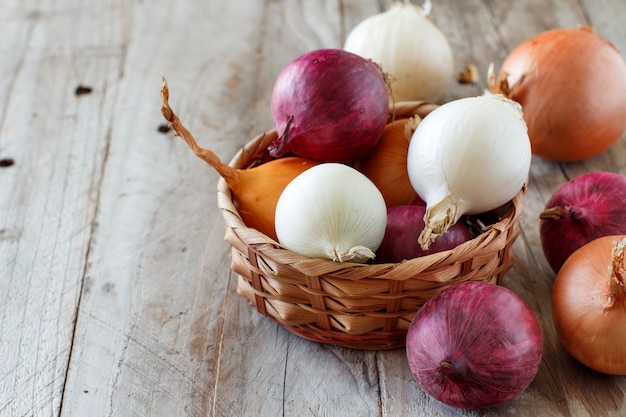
331,211
329,105
386,164
404,224
468,156
255,191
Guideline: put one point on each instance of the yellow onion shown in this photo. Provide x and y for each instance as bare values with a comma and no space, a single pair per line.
256,190
589,305
385,166
571,84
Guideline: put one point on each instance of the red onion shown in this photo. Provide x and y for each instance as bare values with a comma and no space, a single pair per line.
404,225
330,105
417,201
474,345
581,210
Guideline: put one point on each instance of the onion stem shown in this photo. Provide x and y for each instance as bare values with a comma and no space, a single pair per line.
283,136
426,7
556,213
617,272
438,219
502,86
228,173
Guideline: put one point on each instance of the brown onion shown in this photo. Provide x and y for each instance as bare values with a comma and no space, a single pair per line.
255,191
385,166
589,305
571,84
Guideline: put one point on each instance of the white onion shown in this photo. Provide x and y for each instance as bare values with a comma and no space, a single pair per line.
331,211
468,156
408,47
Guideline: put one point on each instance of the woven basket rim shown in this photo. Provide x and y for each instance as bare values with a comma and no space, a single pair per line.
255,150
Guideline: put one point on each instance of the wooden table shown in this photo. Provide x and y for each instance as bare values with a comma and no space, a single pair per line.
115,292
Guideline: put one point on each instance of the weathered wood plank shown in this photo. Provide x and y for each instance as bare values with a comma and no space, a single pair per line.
148,337
47,198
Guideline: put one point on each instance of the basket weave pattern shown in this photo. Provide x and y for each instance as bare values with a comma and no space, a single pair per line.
361,306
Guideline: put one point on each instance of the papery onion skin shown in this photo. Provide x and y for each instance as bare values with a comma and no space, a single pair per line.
404,224
474,345
385,166
409,47
329,105
331,211
573,92
589,306
584,208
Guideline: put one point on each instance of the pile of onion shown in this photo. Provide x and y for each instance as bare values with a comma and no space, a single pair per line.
581,210
589,305
571,84
474,345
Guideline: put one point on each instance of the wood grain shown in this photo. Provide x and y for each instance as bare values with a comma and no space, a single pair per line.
115,287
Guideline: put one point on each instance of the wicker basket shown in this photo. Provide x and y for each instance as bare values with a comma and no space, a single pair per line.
361,306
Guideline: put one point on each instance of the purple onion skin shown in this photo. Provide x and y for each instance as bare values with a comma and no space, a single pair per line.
474,345
404,224
329,105
583,209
